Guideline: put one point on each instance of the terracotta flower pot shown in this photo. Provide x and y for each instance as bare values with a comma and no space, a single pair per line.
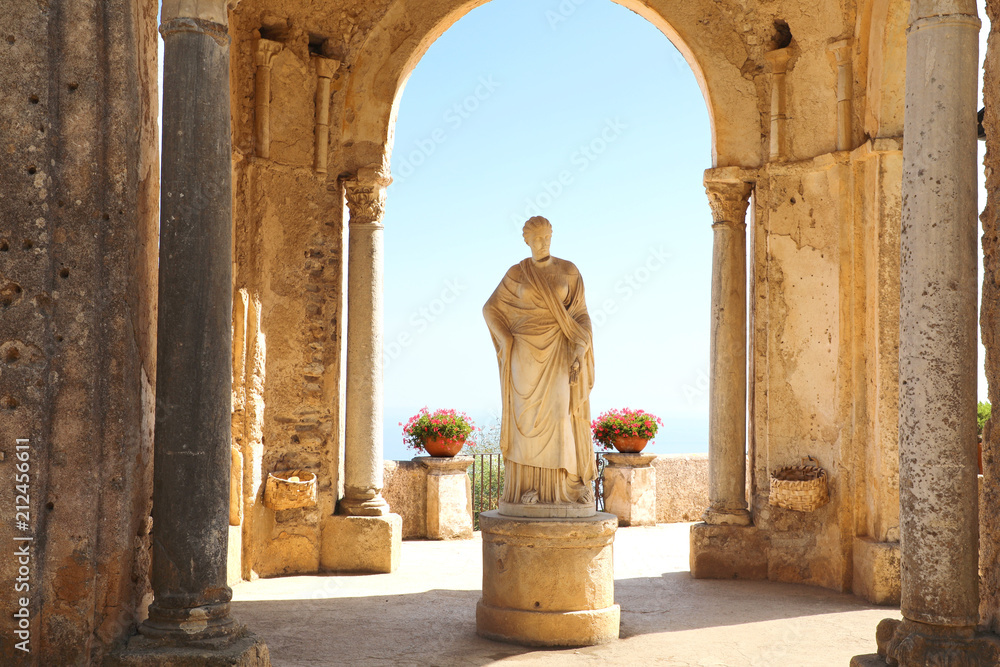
436,446
631,444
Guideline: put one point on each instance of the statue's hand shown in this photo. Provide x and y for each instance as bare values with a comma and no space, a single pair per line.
574,372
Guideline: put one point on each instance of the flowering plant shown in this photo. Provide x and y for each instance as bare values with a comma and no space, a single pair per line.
445,424
623,424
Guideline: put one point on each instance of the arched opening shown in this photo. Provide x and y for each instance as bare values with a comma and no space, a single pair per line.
610,149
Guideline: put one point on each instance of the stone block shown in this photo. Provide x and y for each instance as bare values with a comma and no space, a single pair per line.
728,552
630,488
876,571
369,544
448,500
548,582
244,649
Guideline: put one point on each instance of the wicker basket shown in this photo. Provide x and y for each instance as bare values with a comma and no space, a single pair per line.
802,488
290,489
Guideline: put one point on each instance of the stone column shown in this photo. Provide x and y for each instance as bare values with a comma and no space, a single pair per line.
266,50
449,501
364,536
841,53
191,484
779,61
728,196
363,437
325,68
937,348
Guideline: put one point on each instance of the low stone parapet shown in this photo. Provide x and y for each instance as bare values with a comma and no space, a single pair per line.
432,495
681,491
681,487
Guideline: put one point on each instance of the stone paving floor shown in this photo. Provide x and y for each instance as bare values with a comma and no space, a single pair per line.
424,614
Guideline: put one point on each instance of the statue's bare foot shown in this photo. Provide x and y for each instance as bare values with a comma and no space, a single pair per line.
586,498
529,497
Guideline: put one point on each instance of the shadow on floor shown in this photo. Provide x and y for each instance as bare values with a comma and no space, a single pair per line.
437,627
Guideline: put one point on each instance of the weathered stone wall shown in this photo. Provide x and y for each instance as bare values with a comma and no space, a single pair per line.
989,563
406,492
681,487
78,239
288,287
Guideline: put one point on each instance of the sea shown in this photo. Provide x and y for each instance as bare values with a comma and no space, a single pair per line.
678,435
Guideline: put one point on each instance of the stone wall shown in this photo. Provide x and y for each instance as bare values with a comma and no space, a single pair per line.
406,492
289,229
681,487
78,240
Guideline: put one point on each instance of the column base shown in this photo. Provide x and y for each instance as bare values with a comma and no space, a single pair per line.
366,544
243,649
727,552
630,488
912,644
716,517
366,507
548,628
548,582
876,571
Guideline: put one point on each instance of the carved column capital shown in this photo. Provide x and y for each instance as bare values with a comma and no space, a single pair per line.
266,50
326,67
728,196
840,51
366,196
778,60
204,10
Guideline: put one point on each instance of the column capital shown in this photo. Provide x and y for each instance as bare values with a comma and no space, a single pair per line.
365,193
205,10
326,67
840,51
267,49
778,59
728,195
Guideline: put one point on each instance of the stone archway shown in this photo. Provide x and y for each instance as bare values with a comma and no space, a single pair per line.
398,41
373,94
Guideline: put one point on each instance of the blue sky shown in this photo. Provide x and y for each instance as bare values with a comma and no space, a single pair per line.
594,121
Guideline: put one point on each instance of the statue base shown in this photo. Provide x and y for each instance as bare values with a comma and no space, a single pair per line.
548,510
548,581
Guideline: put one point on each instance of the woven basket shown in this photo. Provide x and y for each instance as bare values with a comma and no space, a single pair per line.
282,493
802,488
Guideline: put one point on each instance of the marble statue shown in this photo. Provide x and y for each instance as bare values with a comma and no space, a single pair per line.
542,333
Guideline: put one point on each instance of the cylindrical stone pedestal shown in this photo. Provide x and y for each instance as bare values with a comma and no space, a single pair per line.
449,501
548,582
630,488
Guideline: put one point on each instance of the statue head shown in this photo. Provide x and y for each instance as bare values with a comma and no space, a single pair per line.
537,234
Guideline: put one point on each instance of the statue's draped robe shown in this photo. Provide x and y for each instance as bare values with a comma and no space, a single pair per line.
536,321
